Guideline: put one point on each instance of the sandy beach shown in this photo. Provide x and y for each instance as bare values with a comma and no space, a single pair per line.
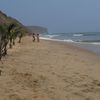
49,71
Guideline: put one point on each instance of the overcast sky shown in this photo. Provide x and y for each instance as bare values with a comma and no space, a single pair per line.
56,15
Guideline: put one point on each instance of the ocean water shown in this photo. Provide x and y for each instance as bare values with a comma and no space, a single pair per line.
86,40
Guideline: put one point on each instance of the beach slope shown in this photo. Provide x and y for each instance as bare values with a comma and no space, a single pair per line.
49,71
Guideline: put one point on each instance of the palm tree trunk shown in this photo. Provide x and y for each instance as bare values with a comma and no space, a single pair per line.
0,52
5,48
10,45
13,41
19,40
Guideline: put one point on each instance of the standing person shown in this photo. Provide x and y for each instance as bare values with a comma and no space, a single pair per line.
38,40
33,35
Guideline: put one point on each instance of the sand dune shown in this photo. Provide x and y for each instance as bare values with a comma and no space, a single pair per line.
49,71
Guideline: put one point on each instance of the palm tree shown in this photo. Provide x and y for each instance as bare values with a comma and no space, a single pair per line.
14,36
2,39
15,33
5,35
20,37
10,33
20,34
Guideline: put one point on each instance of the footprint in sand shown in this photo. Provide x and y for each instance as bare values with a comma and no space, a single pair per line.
76,96
83,96
96,82
14,97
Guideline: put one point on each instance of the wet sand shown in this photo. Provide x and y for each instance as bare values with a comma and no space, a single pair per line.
49,71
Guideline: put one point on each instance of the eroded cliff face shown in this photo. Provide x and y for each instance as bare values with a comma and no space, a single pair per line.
4,19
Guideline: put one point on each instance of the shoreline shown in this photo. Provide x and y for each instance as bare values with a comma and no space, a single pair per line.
92,47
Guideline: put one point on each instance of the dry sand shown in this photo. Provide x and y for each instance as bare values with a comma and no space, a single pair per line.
49,71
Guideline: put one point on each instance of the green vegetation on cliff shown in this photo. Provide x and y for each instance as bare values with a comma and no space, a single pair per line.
4,19
10,29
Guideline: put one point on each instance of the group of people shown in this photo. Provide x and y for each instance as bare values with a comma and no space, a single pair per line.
35,36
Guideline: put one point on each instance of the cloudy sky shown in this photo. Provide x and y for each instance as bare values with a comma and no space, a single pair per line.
56,15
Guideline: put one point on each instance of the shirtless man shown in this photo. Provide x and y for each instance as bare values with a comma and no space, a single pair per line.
37,35
33,35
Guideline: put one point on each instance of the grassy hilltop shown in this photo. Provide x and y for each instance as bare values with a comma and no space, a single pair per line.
4,19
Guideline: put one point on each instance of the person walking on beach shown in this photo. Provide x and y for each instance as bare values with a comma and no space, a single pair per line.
37,35
33,35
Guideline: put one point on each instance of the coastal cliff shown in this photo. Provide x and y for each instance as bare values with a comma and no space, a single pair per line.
37,29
